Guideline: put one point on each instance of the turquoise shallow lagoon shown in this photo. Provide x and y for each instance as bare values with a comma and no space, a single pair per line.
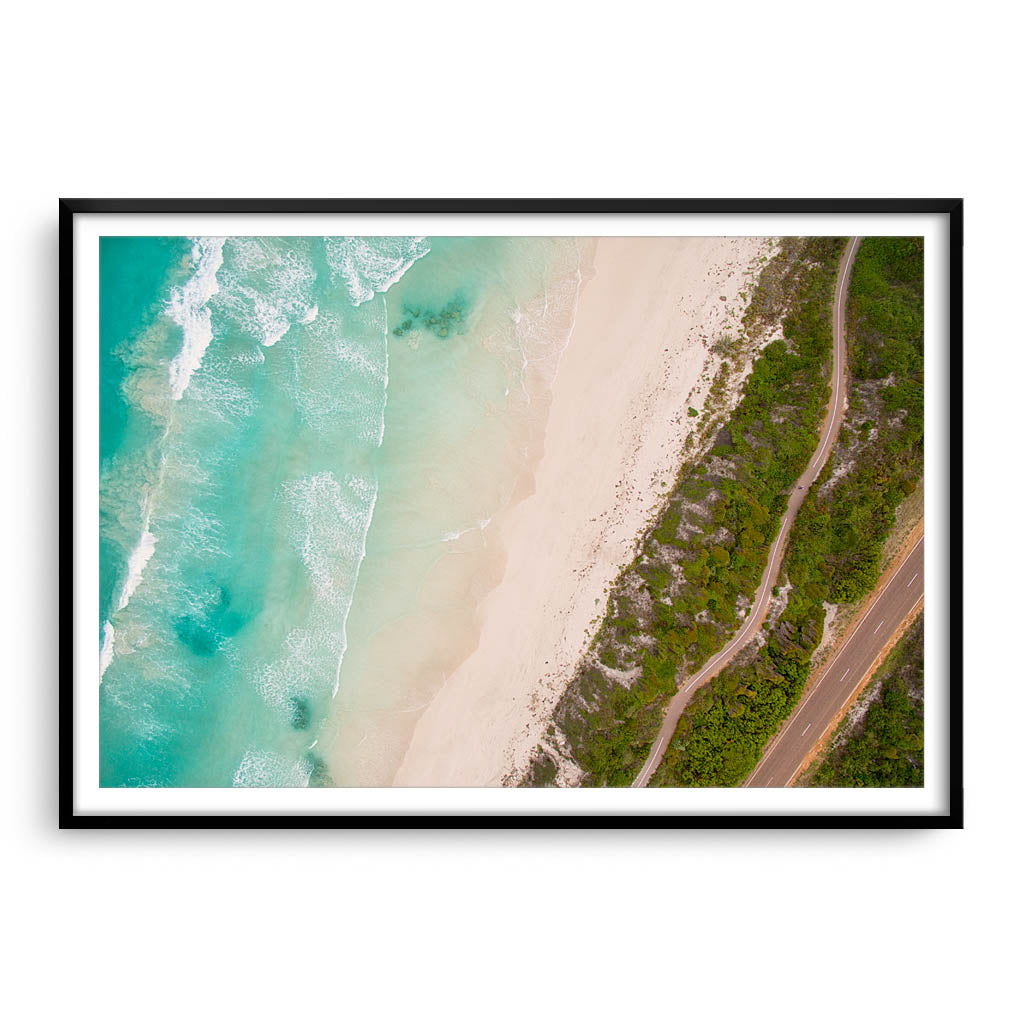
303,443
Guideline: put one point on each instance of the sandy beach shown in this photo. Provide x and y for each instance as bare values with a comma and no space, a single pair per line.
638,357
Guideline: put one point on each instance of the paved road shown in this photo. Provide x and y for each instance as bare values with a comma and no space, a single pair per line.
830,428
811,718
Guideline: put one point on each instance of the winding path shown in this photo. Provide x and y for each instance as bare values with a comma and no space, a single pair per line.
830,428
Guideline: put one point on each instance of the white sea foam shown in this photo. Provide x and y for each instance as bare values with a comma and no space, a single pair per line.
301,669
387,365
369,266
372,501
332,521
107,648
361,362
199,532
480,524
267,287
137,561
544,328
263,768
339,379
253,358
221,396
188,308
275,332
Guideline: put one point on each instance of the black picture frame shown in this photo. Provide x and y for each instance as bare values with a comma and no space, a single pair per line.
951,208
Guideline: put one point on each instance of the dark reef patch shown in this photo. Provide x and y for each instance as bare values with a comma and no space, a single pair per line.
205,632
319,776
450,319
300,711
197,636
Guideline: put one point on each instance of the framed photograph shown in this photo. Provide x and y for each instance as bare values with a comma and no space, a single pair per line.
512,513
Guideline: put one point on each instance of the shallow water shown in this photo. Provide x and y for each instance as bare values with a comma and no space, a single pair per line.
303,444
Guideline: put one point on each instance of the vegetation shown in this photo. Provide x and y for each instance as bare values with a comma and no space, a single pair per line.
698,565
885,747
838,542
834,550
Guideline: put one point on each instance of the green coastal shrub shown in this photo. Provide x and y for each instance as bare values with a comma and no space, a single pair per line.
886,747
835,548
677,603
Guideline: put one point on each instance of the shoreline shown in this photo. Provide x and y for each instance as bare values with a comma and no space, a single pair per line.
639,355
434,550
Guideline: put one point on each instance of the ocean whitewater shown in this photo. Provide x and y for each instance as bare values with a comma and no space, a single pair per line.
303,442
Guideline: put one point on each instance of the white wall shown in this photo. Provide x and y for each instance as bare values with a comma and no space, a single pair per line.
190,99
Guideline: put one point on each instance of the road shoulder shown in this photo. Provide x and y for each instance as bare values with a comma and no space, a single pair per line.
837,643
815,754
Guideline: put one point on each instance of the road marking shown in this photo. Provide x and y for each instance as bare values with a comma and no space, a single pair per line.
879,626
846,643
806,727
844,675
913,611
916,574
769,782
796,773
641,778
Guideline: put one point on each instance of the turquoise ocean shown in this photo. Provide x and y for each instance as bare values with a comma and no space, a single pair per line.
304,446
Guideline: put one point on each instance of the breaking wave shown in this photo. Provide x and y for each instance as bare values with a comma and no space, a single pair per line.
369,266
188,308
